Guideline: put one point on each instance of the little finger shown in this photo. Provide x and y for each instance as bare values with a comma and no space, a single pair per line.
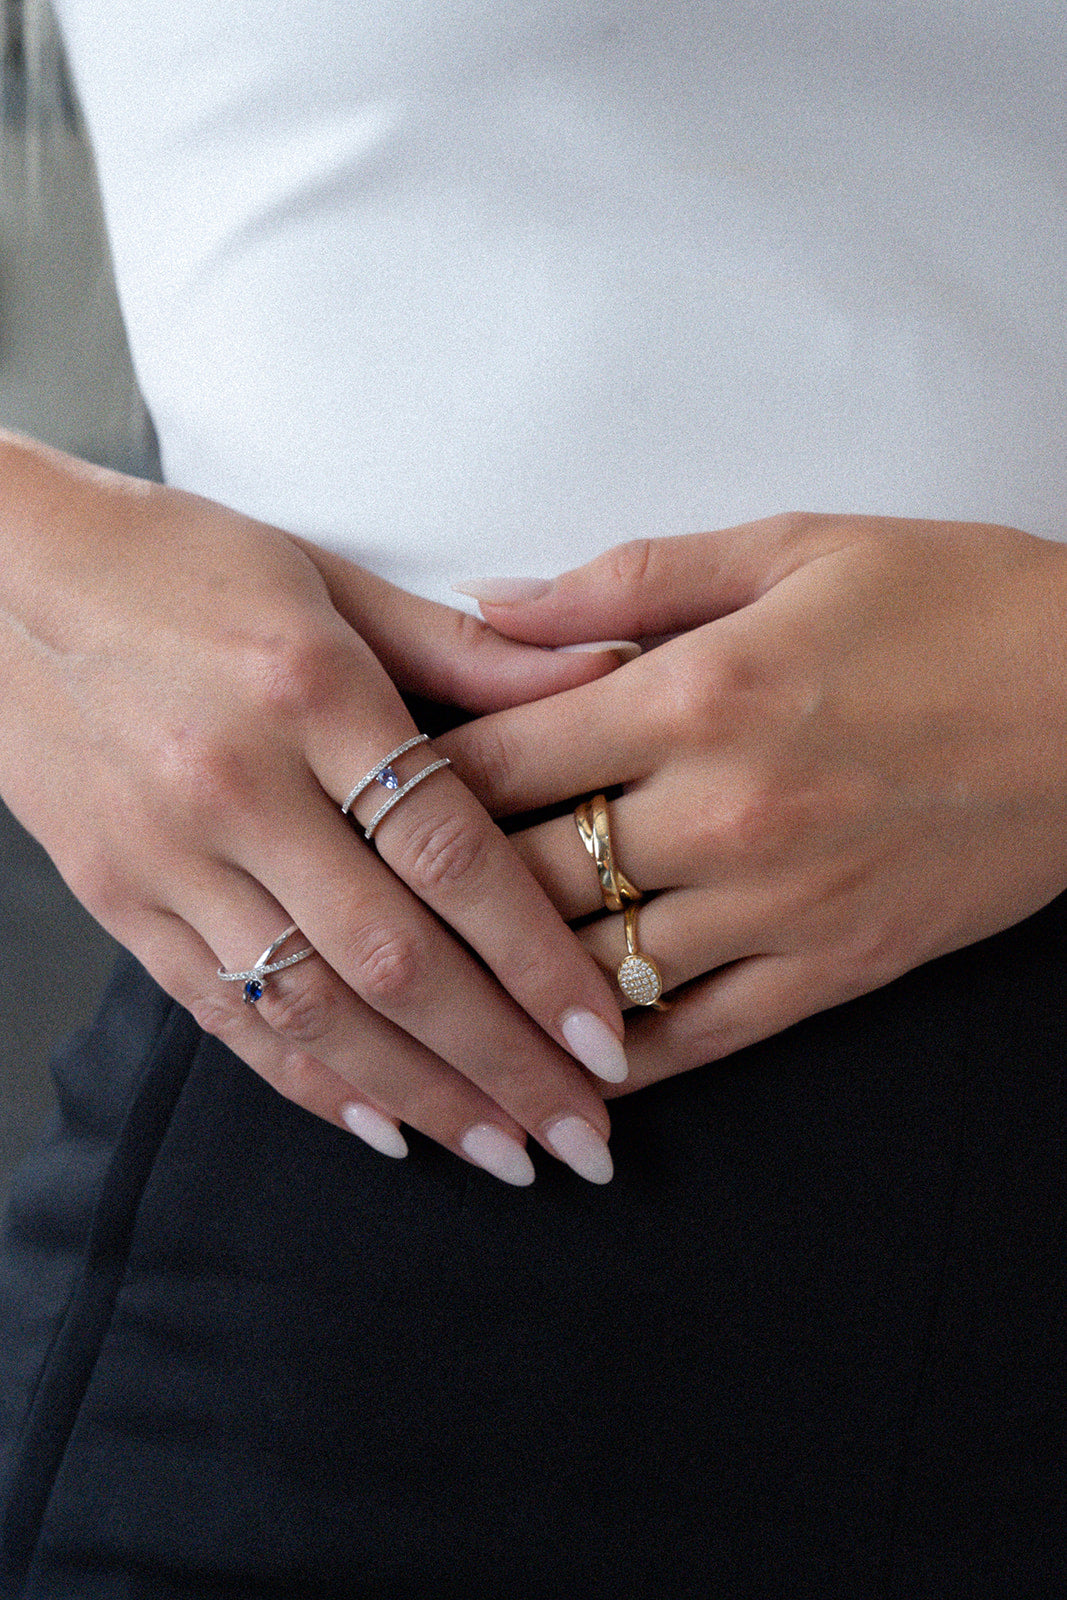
686,933
385,1076
312,1011
730,1009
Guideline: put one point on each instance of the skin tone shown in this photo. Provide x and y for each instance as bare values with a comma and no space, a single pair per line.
199,692
847,760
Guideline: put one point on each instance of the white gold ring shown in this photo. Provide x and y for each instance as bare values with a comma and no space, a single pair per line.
253,977
383,773
405,788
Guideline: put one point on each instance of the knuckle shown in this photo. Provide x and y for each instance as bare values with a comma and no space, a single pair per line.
215,1014
629,566
748,820
299,674
874,951
200,775
301,1079
791,525
707,690
490,760
295,675
465,636
441,851
301,1005
712,1038
95,880
385,964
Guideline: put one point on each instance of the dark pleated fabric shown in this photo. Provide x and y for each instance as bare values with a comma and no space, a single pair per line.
808,1343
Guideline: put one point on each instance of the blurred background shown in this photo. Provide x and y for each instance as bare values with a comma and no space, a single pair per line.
64,377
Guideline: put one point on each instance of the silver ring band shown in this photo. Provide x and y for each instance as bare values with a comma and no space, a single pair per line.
379,772
406,788
253,976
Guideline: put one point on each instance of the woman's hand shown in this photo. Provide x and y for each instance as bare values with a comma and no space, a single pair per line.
851,759
188,695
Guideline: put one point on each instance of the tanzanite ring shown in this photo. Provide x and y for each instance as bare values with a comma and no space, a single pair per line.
253,978
384,773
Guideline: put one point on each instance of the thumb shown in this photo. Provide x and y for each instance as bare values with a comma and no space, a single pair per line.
449,656
650,587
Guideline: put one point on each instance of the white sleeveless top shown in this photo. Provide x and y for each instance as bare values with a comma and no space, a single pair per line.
471,287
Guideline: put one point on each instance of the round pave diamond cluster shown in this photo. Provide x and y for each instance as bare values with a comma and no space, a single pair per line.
639,980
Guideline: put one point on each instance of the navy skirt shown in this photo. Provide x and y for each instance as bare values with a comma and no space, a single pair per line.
809,1342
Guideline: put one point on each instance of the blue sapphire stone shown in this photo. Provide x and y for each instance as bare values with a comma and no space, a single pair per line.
253,991
388,778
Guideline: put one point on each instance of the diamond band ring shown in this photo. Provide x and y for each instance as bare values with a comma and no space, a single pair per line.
264,967
385,775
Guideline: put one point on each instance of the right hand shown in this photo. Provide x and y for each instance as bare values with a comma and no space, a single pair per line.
196,693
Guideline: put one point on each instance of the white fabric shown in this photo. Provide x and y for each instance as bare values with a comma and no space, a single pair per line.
475,287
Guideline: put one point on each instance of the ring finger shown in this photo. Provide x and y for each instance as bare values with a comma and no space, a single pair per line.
655,857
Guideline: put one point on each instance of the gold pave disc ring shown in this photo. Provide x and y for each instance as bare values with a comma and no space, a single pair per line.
591,819
638,976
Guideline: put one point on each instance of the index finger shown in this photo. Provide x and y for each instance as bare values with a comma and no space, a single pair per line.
569,744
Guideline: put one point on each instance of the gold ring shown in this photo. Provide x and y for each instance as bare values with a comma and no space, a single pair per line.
591,818
638,976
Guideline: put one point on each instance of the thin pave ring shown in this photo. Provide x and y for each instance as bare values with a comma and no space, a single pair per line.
253,977
380,770
406,788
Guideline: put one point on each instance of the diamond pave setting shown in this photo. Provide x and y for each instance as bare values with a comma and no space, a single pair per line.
639,980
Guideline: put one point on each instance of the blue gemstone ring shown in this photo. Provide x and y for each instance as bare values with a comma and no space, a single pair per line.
253,977
384,774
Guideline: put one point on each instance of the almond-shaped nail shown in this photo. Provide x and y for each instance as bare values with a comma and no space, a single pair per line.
498,1153
626,648
502,591
596,1047
374,1129
581,1147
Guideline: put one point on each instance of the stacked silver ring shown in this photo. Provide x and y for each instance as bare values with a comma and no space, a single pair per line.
384,774
253,977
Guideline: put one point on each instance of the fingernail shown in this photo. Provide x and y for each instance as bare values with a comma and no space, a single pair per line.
596,1047
626,648
374,1129
502,591
498,1153
581,1147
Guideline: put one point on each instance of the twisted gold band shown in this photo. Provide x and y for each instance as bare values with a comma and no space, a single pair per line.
638,976
591,819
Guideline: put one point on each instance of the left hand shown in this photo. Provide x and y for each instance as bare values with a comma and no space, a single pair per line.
851,758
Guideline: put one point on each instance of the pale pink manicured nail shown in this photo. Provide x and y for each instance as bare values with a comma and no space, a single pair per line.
374,1129
503,591
621,647
596,1047
498,1153
581,1147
